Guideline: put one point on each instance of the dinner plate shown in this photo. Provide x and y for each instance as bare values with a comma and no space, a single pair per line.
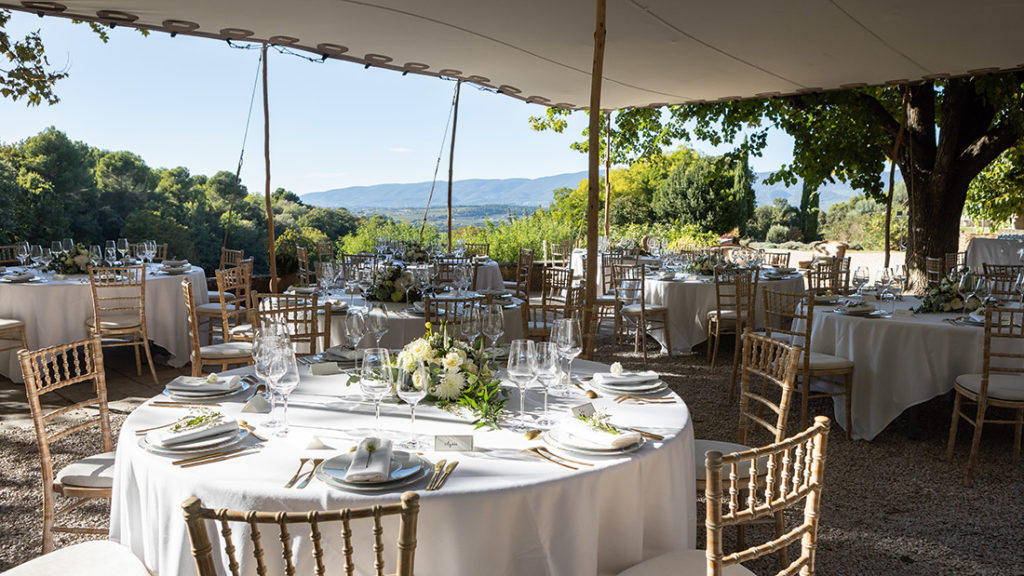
192,396
556,438
638,388
855,312
827,299
209,444
406,469
32,279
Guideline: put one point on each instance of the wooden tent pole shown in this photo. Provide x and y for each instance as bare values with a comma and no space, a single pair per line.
266,161
594,179
892,175
451,160
608,175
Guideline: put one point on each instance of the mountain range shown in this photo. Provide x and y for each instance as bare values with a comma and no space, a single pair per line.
521,192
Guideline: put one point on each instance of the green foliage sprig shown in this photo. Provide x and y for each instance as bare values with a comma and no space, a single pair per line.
394,284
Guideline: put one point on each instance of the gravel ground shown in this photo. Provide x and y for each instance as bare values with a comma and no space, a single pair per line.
890,506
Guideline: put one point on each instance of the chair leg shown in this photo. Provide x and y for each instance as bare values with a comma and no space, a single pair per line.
149,359
138,358
709,340
848,381
48,519
718,339
735,367
953,425
803,401
979,423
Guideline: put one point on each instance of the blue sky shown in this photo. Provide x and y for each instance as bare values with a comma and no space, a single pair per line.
183,102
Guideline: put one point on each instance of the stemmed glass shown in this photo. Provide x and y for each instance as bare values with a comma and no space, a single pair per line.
67,245
966,288
122,248
470,323
21,251
549,370
264,352
45,257
412,387
861,276
1019,285
284,356
355,327
110,250
493,323
522,369
377,322
35,253
899,275
56,248
325,276
95,255
375,377
568,337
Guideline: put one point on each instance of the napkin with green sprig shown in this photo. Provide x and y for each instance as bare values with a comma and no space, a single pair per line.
198,424
596,432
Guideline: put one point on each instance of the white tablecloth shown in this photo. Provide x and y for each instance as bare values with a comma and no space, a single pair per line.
993,251
501,512
55,312
405,326
899,362
690,301
488,276
579,256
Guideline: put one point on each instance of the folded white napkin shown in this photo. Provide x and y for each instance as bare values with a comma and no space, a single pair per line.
315,443
342,353
580,434
174,263
303,289
174,269
169,437
418,306
24,276
854,306
202,384
257,405
624,379
370,466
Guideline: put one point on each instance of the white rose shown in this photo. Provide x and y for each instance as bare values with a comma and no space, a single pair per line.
616,368
419,349
420,380
406,360
469,368
452,360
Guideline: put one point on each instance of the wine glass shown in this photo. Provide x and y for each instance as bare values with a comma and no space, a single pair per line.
549,370
570,343
265,349
122,248
493,323
861,276
412,387
21,252
45,257
67,245
34,253
325,276
470,323
377,322
966,287
522,369
1019,285
95,255
375,377
284,361
900,276
56,248
355,327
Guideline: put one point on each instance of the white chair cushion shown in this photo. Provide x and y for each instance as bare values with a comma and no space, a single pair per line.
725,315
820,361
605,300
227,295
634,309
9,323
89,472
115,321
702,447
92,558
1000,386
241,329
681,563
233,349
214,308
509,285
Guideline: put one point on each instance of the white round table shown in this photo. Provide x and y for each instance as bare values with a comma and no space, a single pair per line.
502,512
405,325
488,276
898,362
993,251
690,300
55,311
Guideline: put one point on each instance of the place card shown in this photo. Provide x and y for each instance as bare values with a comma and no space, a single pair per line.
453,443
583,410
324,369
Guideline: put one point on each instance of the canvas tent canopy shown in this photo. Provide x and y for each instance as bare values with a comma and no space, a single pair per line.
658,51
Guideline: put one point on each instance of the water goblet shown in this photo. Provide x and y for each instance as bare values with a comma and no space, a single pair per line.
56,248
21,252
375,377
549,371
355,327
265,351
377,322
493,323
412,387
45,257
522,369
95,255
965,288
286,382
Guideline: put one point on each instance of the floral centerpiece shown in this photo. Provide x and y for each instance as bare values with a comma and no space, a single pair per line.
943,297
704,264
460,375
415,254
76,261
394,284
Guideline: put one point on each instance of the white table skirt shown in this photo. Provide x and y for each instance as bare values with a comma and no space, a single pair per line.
993,251
579,256
690,301
501,512
55,312
899,362
488,276
405,326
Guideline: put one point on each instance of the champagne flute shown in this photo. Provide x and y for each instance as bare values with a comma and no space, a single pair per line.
355,327
549,370
522,369
377,322
375,377
494,324
570,343
122,247
287,381
412,387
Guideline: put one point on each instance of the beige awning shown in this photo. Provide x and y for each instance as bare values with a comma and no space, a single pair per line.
658,51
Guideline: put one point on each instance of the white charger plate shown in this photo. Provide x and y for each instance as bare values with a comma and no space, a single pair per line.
189,396
556,438
209,444
406,469
638,388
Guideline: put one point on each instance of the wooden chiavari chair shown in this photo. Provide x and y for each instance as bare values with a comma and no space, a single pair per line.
733,302
825,276
1000,384
304,274
325,251
448,311
47,372
119,310
558,300
230,258
796,478
630,282
407,510
301,314
7,255
445,269
12,335
1002,279
933,270
523,275
354,263
477,249
776,259
222,354
560,253
956,260
229,314
789,316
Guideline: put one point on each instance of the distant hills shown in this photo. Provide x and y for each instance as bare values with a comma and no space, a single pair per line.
519,192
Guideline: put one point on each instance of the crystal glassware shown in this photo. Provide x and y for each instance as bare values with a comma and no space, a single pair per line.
861,276
493,323
287,381
548,372
95,255
355,327
377,322
412,387
122,248
375,377
522,369
570,343
265,350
